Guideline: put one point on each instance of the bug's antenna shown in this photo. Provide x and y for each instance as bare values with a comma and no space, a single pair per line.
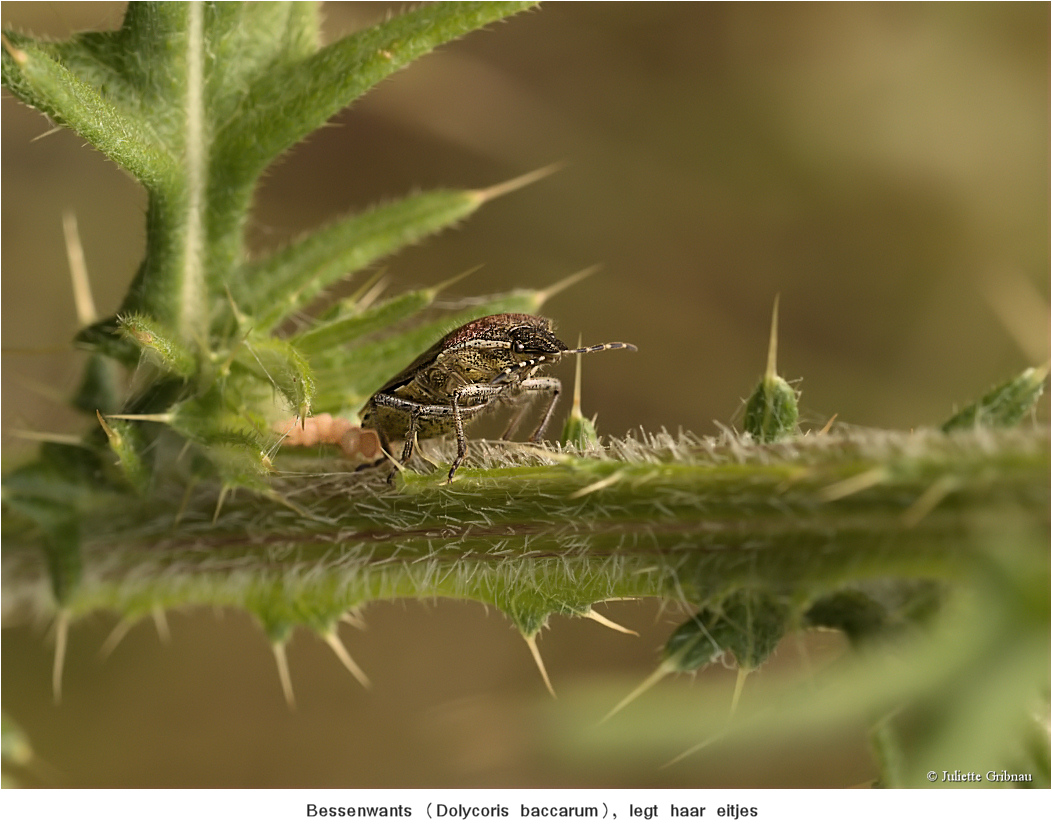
588,349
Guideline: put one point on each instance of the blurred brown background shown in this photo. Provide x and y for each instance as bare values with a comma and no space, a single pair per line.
884,167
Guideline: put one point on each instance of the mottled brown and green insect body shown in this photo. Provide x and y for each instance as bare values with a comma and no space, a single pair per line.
489,361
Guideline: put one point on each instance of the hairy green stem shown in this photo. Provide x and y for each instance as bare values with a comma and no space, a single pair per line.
680,518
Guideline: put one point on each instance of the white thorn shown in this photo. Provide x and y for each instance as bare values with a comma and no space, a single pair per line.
516,183
161,417
61,636
116,636
333,641
659,673
609,480
854,484
78,272
19,56
365,287
739,683
46,437
829,425
531,643
283,674
372,293
575,410
929,500
545,294
219,503
703,744
160,621
596,617
353,618
772,345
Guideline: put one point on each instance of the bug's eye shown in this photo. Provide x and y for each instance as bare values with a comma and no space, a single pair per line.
518,347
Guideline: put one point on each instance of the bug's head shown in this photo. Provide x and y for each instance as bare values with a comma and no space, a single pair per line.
534,347
531,347
534,342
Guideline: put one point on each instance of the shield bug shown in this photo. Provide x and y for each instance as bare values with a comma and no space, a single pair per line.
489,361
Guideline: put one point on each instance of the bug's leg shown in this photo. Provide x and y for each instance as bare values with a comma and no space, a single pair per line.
410,439
543,385
407,449
481,395
462,442
468,402
412,410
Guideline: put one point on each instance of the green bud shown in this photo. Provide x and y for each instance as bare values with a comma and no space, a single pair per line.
692,644
859,616
579,431
771,412
749,625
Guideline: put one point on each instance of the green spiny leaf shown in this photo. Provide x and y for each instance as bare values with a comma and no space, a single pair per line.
31,72
275,287
1004,405
354,323
864,613
159,344
352,326
249,40
240,459
126,445
222,411
294,99
284,368
30,495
